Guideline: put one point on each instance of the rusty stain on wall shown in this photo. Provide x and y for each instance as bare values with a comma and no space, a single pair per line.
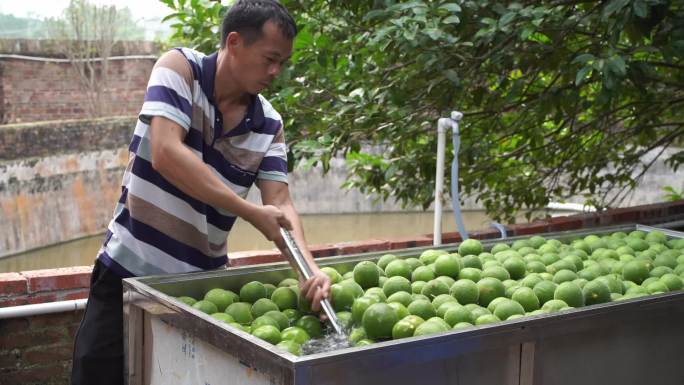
57,196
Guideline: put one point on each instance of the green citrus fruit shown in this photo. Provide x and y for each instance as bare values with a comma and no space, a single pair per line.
366,274
489,288
220,297
284,298
296,334
465,291
263,305
252,291
267,333
311,325
422,309
470,247
569,293
241,312
396,284
378,320
595,292
399,268
205,306
290,346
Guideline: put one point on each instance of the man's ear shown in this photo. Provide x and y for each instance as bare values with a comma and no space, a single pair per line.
233,41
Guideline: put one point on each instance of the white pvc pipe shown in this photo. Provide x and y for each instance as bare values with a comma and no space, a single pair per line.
42,308
58,60
442,125
571,206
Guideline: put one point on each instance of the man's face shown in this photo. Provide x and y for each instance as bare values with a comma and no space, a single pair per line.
256,65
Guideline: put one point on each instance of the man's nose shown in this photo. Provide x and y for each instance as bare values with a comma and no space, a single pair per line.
274,70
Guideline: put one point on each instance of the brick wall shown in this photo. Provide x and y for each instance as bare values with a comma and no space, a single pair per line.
37,350
34,90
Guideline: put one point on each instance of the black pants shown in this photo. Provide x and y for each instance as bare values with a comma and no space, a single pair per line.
98,349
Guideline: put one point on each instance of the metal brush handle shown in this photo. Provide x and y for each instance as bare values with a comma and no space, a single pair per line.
306,272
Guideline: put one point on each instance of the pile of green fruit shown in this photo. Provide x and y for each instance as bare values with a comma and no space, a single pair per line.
439,291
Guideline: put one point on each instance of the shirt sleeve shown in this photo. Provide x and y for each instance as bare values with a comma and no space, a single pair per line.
274,164
168,91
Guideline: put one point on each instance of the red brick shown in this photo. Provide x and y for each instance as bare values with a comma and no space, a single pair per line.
565,223
13,325
254,257
55,320
10,359
452,237
623,215
73,328
32,338
40,375
13,301
12,284
408,242
485,234
346,248
58,279
652,213
325,250
42,298
675,208
43,355
528,228
78,294
589,220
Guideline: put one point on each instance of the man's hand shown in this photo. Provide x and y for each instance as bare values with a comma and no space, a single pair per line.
316,289
269,219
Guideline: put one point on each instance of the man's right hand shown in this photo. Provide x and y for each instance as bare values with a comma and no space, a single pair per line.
269,219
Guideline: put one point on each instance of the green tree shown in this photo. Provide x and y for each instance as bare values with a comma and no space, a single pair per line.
21,27
560,98
88,33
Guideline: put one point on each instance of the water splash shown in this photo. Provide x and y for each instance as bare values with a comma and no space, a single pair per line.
329,342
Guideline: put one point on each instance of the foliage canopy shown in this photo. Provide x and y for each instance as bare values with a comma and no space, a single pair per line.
560,98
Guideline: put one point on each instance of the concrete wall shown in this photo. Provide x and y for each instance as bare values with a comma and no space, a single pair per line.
60,180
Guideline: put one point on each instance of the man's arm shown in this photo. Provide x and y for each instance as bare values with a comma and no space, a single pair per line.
175,162
278,194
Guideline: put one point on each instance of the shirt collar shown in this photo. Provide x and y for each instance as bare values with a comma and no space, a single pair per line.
255,111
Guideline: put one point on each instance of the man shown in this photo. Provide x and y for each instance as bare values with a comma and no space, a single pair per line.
203,137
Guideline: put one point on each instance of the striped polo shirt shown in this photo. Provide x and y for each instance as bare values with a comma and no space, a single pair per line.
157,228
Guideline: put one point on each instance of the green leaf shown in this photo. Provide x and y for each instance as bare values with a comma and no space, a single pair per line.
451,20
434,33
409,5
583,58
451,7
375,14
452,76
617,65
640,9
488,21
540,37
614,6
507,18
526,32
357,93
582,74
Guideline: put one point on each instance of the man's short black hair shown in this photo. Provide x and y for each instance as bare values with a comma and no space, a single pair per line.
247,17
